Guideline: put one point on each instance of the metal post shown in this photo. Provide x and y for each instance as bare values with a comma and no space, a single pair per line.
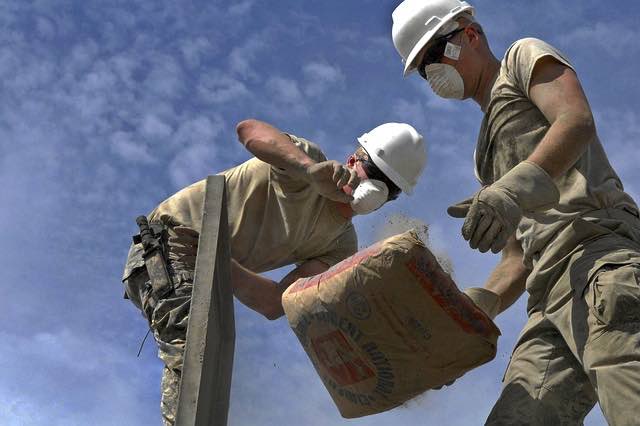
208,357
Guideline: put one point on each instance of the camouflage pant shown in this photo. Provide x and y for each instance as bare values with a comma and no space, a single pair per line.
582,348
169,318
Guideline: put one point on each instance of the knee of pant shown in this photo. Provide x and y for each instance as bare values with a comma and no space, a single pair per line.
521,406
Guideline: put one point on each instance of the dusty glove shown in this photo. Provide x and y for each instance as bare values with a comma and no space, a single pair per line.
329,177
486,300
495,211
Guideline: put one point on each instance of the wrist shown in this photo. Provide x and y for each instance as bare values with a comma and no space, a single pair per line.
304,167
488,301
531,187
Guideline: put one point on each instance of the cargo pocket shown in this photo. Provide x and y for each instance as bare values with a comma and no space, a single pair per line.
614,291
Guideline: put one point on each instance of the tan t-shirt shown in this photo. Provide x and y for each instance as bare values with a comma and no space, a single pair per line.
512,128
274,219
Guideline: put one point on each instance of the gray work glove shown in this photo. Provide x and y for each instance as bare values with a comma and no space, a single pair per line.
328,178
493,214
486,300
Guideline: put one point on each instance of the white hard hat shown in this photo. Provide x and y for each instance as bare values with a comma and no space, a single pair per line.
398,150
416,22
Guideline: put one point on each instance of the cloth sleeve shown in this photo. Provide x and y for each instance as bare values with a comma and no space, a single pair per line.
522,57
288,183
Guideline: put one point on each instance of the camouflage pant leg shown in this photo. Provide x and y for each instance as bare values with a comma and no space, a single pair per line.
170,392
544,383
612,350
169,322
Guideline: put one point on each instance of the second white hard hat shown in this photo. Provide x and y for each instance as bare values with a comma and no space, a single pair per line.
398,150
416,22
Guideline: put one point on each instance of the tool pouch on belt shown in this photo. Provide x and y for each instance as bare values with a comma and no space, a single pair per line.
151,237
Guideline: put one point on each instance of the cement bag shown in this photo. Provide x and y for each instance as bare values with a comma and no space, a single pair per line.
387,324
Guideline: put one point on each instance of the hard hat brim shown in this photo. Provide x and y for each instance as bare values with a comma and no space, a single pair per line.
410,66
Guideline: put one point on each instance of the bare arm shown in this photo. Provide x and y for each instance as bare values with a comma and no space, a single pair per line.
264,295
556,91
508,278
274,147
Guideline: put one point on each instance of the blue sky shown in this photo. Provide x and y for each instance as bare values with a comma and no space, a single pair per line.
106,108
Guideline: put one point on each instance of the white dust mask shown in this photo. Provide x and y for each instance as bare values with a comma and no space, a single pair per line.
445,81
369,195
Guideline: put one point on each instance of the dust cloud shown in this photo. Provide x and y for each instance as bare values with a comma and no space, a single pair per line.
398,223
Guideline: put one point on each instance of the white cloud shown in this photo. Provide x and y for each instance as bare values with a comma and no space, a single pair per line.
199,129
45,27
155,128
196,151
241,58
166,77
123,144
321,77
108,394
218,88
241,8
194,50
612,38
286,96
410,112
192,163
619,129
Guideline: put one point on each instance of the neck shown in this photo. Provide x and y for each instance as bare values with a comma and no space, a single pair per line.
488,76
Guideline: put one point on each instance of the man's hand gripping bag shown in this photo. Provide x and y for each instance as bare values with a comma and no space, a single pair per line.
386,325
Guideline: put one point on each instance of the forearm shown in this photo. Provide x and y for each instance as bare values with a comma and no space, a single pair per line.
253,290
508,278
272,146
264,295
508,282
565,142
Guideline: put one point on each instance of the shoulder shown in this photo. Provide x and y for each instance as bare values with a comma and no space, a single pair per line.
528,45
528,50
523,55
310,148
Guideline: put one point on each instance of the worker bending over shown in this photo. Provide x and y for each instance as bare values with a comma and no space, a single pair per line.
286,206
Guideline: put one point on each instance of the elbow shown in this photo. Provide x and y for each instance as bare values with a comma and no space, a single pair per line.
585,125
274,310
273,315
245,129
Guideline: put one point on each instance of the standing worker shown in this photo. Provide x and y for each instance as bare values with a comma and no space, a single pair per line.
289,205
552,204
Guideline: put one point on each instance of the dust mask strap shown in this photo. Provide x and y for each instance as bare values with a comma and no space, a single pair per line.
369,196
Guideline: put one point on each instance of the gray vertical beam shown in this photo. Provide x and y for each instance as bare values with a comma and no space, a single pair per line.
208,357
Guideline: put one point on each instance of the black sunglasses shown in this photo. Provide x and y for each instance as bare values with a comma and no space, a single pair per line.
435,53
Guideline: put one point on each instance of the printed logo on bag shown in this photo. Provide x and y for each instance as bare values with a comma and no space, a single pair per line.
340,359
358,306
344,361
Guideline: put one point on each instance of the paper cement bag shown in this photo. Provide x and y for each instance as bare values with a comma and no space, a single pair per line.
387,324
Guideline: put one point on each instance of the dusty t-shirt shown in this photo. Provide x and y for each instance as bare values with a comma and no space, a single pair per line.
512,128
274,218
